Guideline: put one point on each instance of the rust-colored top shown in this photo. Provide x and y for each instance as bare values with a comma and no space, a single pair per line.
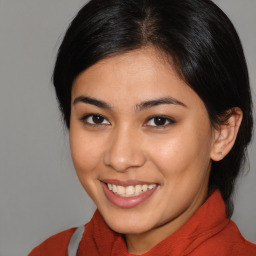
207,232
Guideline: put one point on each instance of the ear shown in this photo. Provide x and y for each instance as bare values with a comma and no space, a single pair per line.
225,134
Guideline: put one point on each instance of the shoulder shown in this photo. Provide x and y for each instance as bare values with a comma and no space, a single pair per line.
54,245
240,245
228,241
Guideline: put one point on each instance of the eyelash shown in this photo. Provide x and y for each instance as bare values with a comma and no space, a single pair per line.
167,119
85,118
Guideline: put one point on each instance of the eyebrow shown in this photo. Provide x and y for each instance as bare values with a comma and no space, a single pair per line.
92,101
159,101
139,107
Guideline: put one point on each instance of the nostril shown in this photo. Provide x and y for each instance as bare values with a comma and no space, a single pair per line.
124,151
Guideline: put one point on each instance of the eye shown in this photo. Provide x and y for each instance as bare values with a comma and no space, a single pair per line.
94,119
159,121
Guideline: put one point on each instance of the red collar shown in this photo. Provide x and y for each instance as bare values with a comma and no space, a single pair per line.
208,220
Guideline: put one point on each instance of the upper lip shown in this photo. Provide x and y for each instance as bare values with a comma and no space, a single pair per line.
126,183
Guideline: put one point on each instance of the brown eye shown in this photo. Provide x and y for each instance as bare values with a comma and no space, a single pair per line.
159,121
95,119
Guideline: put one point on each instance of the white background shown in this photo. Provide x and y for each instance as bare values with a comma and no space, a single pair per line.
39,192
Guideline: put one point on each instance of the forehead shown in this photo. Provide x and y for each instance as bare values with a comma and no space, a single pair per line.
145,61
133,77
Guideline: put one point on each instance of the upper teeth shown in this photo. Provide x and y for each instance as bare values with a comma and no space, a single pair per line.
130,190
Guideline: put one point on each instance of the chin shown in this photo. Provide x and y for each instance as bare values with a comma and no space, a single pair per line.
128,228
127,223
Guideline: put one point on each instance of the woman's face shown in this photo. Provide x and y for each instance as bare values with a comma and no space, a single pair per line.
141,142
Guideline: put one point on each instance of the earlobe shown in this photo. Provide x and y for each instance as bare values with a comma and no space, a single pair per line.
225,134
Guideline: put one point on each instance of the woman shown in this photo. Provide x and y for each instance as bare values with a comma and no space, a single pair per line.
157,100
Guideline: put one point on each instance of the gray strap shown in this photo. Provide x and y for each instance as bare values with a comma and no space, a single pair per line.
75,241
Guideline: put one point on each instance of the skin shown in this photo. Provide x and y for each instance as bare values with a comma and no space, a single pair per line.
126,145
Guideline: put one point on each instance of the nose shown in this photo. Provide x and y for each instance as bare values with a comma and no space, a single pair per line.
124,151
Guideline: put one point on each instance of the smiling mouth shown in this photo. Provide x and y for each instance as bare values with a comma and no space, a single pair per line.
130,191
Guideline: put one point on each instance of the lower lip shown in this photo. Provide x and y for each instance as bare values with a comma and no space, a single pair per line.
126,202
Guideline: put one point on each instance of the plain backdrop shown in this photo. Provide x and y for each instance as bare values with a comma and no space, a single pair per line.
40,194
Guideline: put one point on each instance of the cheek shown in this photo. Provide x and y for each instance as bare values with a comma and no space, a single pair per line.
185,152
86,158
85,152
